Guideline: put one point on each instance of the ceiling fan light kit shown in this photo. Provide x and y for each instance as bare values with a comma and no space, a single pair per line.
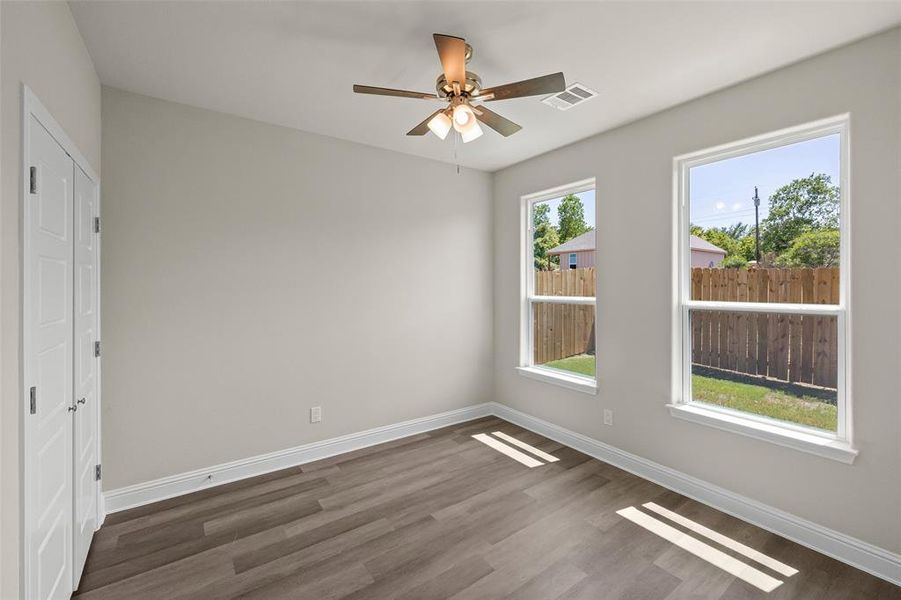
440,124
473,132
463,117
463,92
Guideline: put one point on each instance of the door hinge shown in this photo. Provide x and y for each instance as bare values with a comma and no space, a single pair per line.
97,473
96,224
33,180
33,400
97,349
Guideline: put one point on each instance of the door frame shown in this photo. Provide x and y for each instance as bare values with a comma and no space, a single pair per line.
32,107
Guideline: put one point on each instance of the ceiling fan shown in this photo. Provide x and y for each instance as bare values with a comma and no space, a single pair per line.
462,91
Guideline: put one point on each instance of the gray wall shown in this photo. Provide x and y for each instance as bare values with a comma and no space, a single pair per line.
252,271
633,166
41,47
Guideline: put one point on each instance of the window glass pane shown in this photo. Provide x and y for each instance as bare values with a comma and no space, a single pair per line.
778,365
764,227
564,245
563,337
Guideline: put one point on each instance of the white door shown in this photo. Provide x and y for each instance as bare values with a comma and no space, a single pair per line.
49,404
85,365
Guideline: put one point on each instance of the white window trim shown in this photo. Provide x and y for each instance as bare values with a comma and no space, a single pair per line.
573,260
838,445
561,378
527,299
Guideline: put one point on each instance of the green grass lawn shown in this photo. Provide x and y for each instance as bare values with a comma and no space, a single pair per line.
761,400
582,364
756,399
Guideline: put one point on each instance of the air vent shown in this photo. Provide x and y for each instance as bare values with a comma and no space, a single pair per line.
571,96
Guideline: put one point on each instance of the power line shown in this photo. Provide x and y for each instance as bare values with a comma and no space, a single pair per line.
723,217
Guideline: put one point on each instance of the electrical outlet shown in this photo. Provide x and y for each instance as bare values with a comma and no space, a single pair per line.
608,416
316,414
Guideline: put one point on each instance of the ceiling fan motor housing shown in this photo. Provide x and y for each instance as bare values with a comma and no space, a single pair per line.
470,87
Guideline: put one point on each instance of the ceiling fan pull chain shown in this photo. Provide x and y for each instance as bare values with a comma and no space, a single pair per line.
456,160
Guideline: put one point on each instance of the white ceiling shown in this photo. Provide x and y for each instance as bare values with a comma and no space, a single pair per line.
293,63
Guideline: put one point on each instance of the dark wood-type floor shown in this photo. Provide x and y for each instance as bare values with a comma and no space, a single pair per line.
438,515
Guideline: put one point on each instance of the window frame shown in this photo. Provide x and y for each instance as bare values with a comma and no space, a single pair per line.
573,260
836,445
525,365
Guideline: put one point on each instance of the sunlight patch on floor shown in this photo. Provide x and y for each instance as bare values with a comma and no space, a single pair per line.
723,540
531,449
513,453
718,558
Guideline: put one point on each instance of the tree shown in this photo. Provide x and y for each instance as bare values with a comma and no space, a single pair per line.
571,218
736,261
541,215
736,231
720,239
747,246
812,249
544,237
804,205
737,240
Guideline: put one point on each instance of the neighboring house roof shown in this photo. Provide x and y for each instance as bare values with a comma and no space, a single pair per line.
577,244
697,243
586,241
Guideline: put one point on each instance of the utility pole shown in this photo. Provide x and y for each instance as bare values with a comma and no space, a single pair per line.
756,226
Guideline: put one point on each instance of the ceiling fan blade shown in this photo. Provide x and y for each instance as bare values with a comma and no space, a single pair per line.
423,128
380,91
502,125
452,53
539,86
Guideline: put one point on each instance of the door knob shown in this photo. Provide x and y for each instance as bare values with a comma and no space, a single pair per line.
82,401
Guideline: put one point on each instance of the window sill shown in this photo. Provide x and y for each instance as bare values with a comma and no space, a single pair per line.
806,442
573,382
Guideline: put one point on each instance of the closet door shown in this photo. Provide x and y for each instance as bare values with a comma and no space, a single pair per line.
48,274
86,368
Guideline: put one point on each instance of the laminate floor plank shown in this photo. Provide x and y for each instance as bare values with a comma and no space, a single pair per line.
173,529
311,537
322,559
299,585
266,517
451,581
193,498
441,515
550,583
191,575
227,497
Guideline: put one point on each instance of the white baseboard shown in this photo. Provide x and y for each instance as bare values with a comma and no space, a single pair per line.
185,483
862,555
857,553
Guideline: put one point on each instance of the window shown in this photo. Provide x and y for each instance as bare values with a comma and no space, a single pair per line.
762,331
557,325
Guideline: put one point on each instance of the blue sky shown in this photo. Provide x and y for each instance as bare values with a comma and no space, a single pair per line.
587,199
722,192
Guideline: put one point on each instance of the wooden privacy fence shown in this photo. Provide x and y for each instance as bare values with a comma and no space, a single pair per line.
565,282
795,348
561,330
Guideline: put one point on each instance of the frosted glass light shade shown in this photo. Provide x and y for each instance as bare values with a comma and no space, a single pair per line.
440,124
463,117
472,132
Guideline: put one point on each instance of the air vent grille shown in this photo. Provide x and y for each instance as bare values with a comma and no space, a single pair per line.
571,96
